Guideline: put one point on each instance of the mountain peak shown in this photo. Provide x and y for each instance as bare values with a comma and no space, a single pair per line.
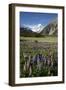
40,30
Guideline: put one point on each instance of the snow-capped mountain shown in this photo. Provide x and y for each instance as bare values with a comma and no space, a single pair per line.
40,30
35,28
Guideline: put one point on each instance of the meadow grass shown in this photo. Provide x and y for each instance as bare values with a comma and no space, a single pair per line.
40,39
33,46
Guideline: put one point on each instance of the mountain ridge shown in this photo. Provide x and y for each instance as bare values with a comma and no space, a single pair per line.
50,29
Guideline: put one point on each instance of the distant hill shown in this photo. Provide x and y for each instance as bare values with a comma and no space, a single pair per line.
26,32
50,29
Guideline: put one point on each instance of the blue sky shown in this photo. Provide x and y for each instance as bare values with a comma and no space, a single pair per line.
32,18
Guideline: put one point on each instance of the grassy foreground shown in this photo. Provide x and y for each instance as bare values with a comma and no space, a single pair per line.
38,56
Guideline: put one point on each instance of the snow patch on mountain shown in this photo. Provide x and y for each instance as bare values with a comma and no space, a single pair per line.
35,28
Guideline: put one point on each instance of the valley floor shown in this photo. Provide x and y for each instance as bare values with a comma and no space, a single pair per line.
40,39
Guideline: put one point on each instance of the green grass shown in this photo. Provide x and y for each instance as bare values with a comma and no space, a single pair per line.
40,39
33,46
